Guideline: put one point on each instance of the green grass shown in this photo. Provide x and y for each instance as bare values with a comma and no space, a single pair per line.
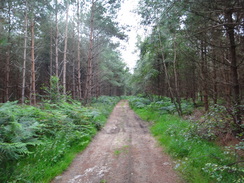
124,150
191,153
63,130
47,162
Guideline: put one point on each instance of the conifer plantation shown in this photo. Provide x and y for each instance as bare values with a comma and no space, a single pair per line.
76,41
62,73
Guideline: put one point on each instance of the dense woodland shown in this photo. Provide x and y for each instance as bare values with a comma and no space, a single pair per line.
194,51
75,41
60,61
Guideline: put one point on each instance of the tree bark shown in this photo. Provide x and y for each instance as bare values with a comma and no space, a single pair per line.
33,72
24,61
88,87
7,74
7,66
204,76
51,51
177,95
78,51
73,82
215,88
234,68
56,45
65,49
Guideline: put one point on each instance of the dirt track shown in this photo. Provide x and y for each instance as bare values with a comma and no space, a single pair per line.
123,152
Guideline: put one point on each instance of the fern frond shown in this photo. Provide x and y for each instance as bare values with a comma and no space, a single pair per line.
12,150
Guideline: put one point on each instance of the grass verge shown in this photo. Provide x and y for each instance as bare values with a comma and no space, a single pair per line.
198,160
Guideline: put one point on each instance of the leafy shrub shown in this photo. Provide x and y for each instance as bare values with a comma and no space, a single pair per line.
106,100
53,92
139,102
216,123
104,105
162,104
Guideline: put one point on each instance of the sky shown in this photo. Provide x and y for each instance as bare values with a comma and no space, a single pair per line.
129,51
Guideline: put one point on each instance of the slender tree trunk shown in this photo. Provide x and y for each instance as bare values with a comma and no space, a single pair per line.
88,87
234,68
7,66
204,76
24,62
33,72
7,74
172,96
78,51
56,45
74,66
215,89
73,82
194,91
65,49
97,90
158,77
178,100
51,51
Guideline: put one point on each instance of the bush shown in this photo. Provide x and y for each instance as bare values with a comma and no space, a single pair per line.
217,122
163,105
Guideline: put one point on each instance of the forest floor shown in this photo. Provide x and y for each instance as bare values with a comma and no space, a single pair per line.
122,152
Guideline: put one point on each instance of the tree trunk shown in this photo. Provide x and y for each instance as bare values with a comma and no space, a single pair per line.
24,62
51,51
177,95
234,68
73,82
167,78
7,74
204,76
88,87
215,88
56,45
33,72
65,49
78,51
7,66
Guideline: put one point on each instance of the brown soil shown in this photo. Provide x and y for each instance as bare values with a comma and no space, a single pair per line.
122,152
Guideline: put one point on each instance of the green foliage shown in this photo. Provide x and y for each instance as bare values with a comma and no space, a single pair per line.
113,71
196,158
104,104
163,105
217,122
18,128
53,91
139,102
38,143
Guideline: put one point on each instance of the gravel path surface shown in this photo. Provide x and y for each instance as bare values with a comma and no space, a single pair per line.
122,152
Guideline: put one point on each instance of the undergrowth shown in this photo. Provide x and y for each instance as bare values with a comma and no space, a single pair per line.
38,143
198,158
